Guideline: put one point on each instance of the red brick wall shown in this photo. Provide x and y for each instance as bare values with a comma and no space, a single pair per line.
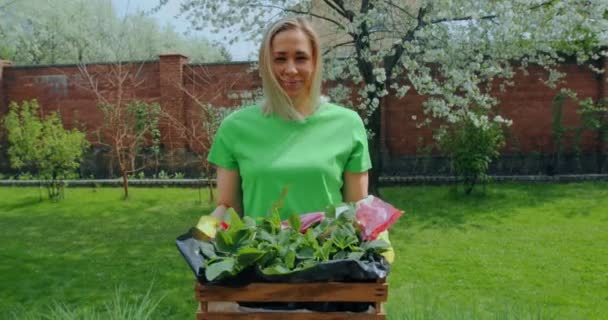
528,103
67,89
175,84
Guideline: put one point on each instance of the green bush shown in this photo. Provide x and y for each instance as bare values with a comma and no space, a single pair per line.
471,148
41,147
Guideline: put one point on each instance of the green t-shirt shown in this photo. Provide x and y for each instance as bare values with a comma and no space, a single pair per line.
309,157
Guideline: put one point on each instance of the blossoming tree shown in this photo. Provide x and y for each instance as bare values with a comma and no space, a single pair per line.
450,51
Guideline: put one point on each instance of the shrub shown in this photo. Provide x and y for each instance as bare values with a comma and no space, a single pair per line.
472,148
42,147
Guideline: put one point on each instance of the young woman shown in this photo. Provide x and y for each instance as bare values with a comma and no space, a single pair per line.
293,151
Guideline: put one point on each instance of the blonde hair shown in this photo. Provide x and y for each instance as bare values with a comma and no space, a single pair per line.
276,99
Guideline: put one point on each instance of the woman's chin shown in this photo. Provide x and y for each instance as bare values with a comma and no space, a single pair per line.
293,94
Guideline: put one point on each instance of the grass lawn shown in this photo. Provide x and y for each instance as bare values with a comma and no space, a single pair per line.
520,251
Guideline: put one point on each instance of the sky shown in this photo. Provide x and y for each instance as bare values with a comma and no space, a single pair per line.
240,51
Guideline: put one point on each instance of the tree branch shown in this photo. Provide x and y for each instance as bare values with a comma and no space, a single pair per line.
304,12
328,50
392,4
391,60
489,17
336,8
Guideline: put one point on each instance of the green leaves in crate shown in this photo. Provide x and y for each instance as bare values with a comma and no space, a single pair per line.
277,249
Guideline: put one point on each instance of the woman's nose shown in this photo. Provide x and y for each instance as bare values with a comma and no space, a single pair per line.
290,68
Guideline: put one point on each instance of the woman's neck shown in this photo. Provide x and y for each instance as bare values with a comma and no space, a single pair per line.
302,105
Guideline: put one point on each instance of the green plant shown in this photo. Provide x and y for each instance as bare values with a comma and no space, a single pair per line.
131,131
594,115
43,146
274,249
558,131
594,118
162,175
25,176
471,147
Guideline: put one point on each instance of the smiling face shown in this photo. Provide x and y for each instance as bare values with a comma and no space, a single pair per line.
293,62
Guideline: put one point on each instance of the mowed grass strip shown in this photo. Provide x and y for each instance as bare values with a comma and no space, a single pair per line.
517,251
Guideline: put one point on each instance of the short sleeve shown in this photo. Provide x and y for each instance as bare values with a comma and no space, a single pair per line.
221,154
359,160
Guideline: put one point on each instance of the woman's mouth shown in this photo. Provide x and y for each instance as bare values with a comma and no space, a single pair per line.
291,83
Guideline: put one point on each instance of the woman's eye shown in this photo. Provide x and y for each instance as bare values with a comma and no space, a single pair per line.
279,59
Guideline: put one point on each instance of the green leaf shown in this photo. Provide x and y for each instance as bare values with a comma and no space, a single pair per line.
276,269
305,264
219,269
290,259
355,255
241,238
264,236
284,237
249,222
378,246
234,220
330,212
323,252
344,237
340,255
223,241
294,222
305,253
248,256
207,249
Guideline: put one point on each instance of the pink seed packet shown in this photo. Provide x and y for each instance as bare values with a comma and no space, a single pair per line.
307,220
375,216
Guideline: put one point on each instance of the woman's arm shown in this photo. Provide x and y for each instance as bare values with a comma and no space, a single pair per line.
228,191
355,186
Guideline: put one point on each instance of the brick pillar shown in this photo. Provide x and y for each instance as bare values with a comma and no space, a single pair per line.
3,99
171,69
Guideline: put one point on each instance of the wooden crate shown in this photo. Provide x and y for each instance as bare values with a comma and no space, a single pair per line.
375,293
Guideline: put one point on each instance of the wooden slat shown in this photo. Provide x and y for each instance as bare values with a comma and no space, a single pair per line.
296,292
290,316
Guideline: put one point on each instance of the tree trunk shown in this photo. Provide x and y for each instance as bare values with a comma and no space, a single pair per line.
599,151
125,183
375,149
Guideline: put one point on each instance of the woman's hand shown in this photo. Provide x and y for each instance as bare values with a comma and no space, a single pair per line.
355,186
229,193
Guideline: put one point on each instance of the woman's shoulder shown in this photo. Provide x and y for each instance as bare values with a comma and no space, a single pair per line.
246,113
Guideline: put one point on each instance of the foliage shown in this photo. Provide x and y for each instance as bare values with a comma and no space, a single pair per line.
594,116
558,130
79,31
274,249
129,129
453,52
472,147
43,145
594,119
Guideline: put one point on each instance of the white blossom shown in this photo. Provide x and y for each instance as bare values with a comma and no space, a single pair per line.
476,44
